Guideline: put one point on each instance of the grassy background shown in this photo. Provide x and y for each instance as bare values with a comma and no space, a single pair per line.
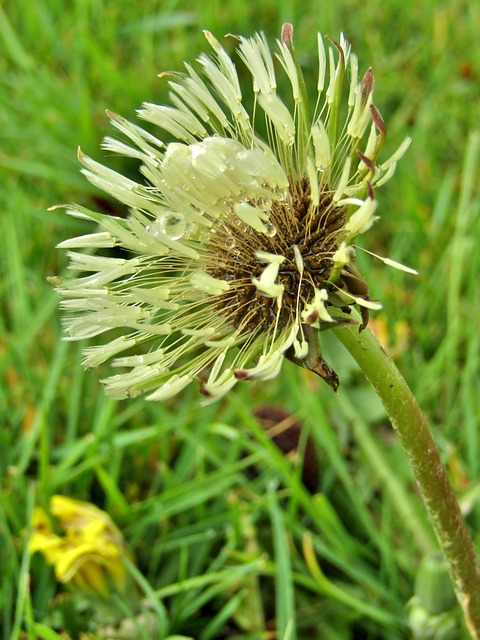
221,525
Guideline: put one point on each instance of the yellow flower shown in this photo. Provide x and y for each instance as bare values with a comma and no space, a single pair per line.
88,551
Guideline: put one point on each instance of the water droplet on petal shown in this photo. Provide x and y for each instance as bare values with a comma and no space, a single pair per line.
265,204
170,224
229,242
191,229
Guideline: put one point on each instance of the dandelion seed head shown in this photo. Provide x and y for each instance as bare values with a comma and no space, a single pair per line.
236,245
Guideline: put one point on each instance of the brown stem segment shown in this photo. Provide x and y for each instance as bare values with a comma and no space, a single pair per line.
437,492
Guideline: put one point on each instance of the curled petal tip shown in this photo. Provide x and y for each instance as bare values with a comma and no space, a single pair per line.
287,33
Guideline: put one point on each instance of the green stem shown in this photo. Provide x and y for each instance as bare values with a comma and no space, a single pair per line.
405,503
430,473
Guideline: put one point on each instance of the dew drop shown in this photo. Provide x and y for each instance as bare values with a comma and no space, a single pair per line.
229,242
265,204
271,230
190,229
170,224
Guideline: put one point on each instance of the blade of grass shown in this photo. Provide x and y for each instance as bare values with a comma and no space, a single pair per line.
284,591
24,576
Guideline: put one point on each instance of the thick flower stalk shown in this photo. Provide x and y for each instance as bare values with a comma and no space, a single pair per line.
241,236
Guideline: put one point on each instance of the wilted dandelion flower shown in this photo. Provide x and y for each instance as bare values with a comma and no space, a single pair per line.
236,245
88,550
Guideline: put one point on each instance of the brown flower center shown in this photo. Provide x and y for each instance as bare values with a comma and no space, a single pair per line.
293,222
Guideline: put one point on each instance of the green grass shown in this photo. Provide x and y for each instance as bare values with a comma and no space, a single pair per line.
226,539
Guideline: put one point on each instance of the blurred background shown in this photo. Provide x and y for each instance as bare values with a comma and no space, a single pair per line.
230,533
